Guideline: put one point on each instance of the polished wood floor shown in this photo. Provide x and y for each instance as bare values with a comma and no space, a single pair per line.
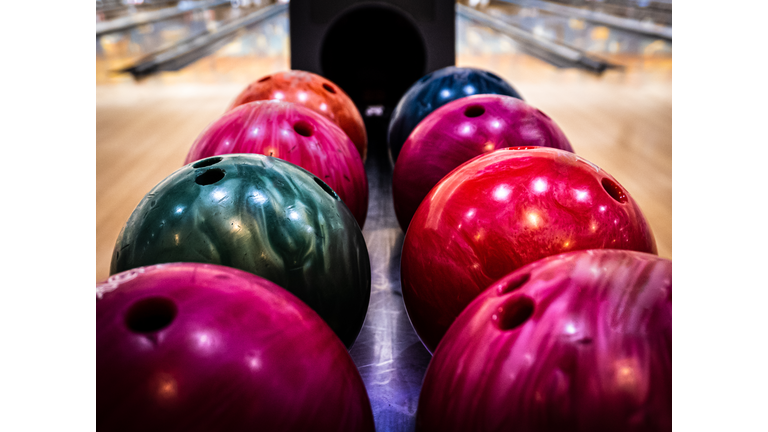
621,121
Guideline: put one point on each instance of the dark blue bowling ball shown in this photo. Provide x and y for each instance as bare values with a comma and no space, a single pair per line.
435,90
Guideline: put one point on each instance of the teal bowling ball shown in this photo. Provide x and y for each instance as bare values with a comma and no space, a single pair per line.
262,215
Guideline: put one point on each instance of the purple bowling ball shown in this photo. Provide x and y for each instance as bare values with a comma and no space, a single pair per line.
459,131
202,347
575,342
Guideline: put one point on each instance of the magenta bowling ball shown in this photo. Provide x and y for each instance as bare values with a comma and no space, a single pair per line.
576,342
201,347
457,132
503,210
295,134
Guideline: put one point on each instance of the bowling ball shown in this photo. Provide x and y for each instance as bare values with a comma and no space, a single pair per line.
314,92
500,211
262,215
293,133
435,90
575,342
457,132
201,347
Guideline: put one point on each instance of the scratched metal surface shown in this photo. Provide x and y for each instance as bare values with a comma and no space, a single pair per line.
389,355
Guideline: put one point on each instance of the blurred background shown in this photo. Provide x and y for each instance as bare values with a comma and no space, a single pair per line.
634,34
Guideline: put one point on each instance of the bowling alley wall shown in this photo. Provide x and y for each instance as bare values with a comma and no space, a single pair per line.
384,215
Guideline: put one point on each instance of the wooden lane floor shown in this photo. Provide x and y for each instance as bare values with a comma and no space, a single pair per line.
621,121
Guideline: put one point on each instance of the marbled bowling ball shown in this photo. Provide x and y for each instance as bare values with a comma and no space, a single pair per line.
296,134
314,92
435,90
575,342
201,347
458,131
503,210
262,215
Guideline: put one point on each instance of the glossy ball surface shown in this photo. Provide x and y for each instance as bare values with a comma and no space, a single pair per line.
435,90
200,347
314,92
293,133
503,210
576,342
457,132
262,215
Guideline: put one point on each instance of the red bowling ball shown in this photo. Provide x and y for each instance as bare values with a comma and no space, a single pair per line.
314,92
576,342
201,347
503,210
295,134
459,131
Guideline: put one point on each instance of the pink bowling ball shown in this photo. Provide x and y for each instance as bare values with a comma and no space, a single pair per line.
201,347
457,132
576,342
295,134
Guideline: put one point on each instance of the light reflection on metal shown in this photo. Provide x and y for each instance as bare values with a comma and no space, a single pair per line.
374,111
556,53
198,46
388,354
627,24
135,20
